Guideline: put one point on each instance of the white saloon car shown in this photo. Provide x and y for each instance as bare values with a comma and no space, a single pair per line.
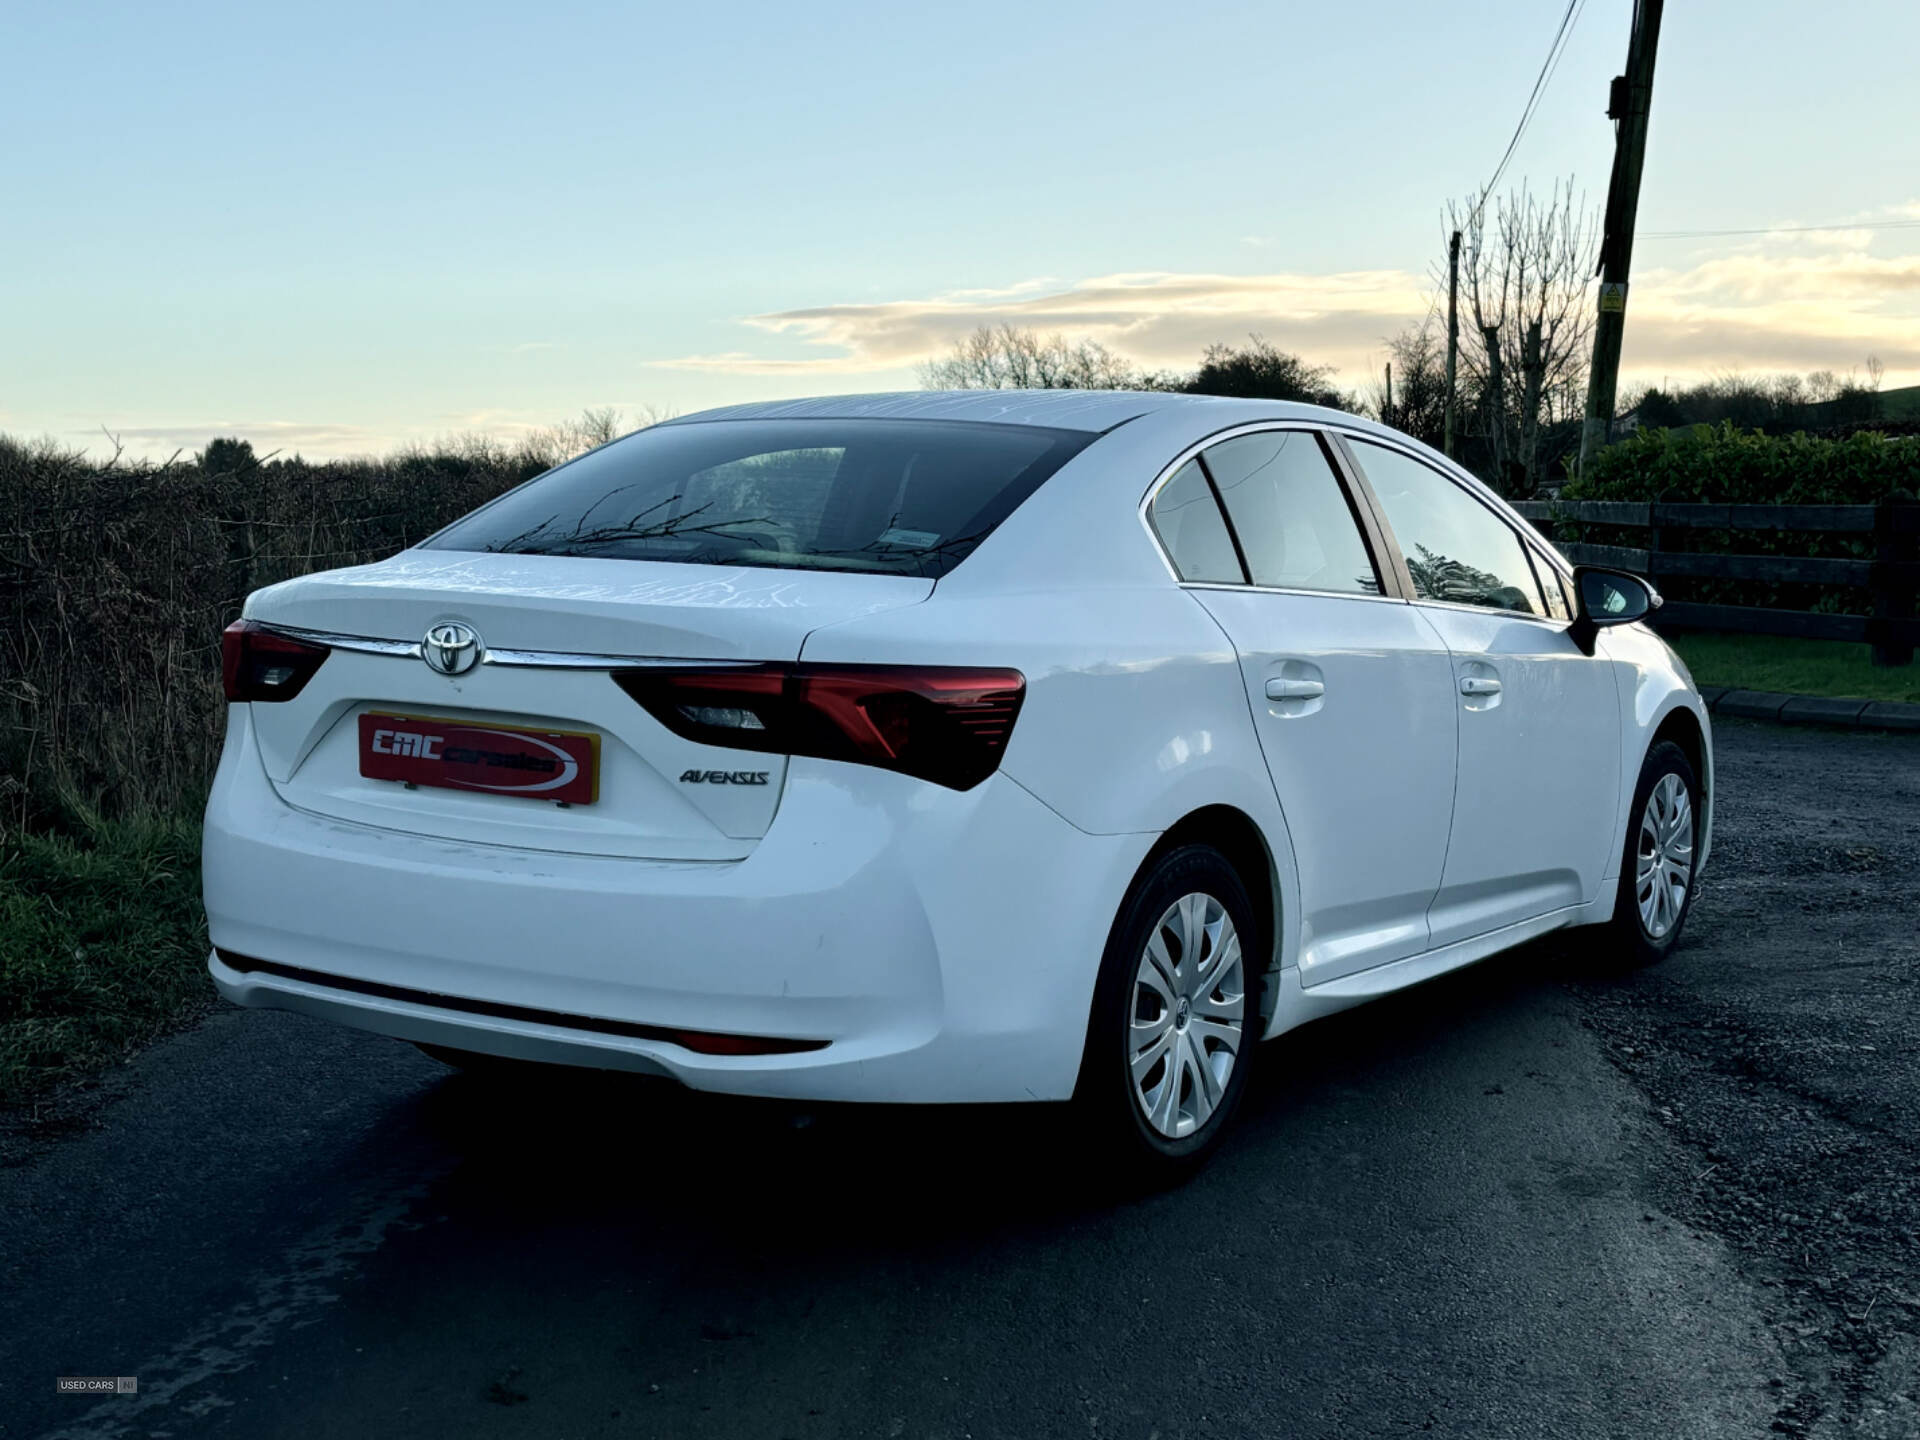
991,746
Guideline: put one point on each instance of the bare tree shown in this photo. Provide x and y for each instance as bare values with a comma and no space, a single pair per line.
596,426
1419,358
1525,265
1005,357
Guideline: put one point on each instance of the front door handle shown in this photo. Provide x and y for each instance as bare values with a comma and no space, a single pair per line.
1295,689
1479,685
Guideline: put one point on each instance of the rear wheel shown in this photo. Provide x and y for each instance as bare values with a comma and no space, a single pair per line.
1176,1015
1657,868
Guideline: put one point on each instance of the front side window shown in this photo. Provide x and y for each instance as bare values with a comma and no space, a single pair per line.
897,497
1291,514
1187,519
1457,549
1558,605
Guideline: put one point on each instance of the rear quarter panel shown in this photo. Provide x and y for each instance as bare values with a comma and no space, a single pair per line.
1136,714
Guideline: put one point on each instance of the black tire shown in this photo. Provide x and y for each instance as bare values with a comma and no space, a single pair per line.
1627,941
1112,1114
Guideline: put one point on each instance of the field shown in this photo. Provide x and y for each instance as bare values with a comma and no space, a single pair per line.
1903,404
102,943
1794,667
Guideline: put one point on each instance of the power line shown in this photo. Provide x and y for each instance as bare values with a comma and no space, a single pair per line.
1574,25
1568,19
1780,230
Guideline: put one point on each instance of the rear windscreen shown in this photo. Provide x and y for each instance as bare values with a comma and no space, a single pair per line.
897,497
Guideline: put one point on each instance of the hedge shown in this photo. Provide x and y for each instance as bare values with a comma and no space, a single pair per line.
1727,465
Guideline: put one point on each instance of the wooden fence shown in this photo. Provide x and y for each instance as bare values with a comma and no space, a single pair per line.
1884,585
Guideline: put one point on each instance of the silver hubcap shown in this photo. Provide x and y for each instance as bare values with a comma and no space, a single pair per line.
1665,866
1188,1015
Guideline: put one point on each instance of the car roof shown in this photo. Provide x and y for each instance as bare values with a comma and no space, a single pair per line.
1093,411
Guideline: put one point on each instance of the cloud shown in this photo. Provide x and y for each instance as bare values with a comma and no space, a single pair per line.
1821,306
1779,312
1157,317
264,435
743,362
318,441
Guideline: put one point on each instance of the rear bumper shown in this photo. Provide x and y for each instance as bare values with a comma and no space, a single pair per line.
943,946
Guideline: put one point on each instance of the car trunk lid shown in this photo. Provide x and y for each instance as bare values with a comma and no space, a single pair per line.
553,631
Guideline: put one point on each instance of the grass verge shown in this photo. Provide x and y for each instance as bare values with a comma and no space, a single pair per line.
102,944
1798,667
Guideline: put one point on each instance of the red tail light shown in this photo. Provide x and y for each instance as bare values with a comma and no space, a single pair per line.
260,665
946,724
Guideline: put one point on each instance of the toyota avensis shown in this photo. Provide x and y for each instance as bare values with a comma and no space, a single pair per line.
947,747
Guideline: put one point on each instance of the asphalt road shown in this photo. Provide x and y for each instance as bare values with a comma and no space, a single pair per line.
1527,1200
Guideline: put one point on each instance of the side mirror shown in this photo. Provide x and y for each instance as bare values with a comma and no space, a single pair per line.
1608,597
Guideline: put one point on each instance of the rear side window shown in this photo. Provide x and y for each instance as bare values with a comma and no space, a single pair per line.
1187,519
897,497
1457,549
1291,514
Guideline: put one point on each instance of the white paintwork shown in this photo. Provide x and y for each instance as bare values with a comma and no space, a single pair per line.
1652,685
944,943
1524,841
547,603
1364,771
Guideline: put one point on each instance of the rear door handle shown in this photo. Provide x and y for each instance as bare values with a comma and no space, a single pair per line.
1479,685
1295,689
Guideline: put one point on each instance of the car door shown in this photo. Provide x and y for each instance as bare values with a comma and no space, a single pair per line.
1539,721
1350,689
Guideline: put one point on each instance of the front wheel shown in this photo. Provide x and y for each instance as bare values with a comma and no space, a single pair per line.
1176,1016
1657,868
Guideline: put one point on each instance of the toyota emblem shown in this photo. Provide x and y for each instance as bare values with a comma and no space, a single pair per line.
451,648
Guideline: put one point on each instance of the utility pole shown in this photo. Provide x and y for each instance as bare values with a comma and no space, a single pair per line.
1533,371
1387,418
1496,404
1628,105
1453,332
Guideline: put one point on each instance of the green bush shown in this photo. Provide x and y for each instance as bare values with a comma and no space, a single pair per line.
1727,465
1724,464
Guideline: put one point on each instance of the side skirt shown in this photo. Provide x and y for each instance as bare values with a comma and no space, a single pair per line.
1296,1004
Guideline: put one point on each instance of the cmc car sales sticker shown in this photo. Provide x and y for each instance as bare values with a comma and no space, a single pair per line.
561,765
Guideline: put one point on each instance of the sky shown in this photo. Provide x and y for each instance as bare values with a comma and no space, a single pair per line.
334,229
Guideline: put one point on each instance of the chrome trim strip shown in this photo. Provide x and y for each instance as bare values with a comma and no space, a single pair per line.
514,659
1453,470
1465,608
1232,432
1530,534
334,640
1529,537
1289,590
562,660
